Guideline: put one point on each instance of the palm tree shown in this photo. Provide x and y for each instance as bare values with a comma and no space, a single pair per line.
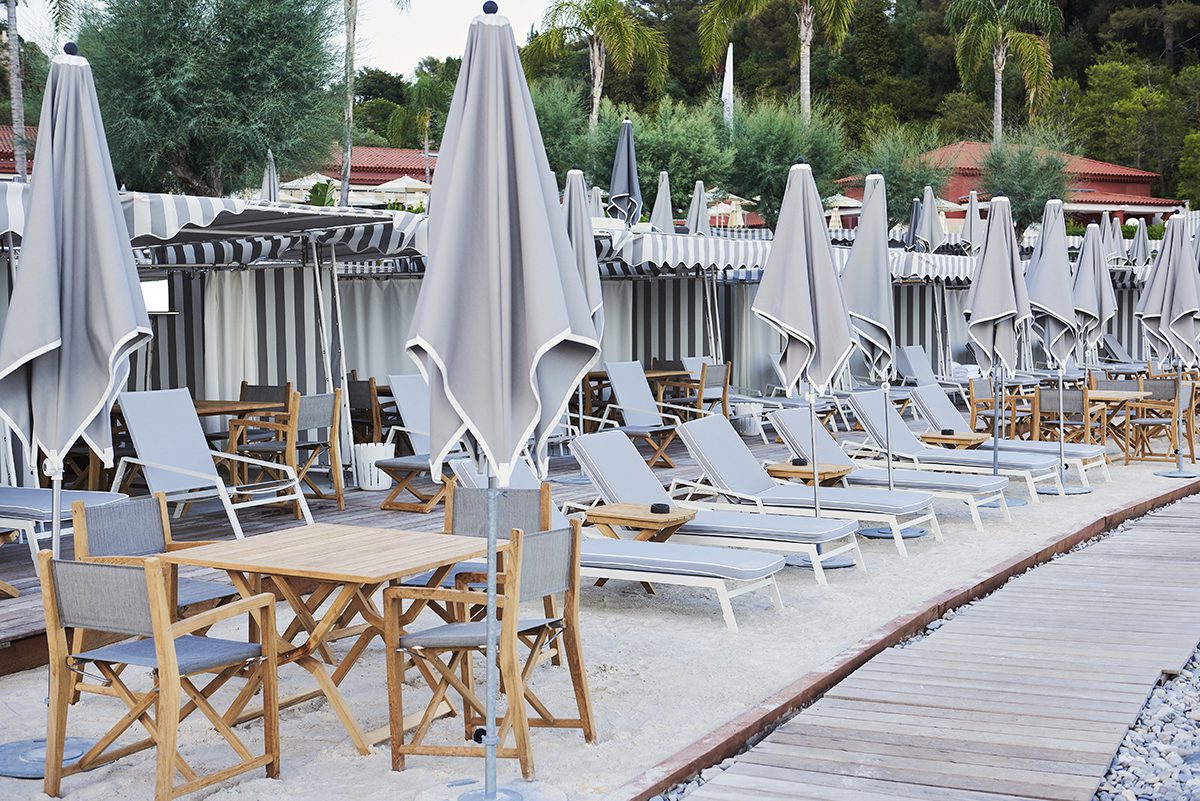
719,16
350,15
996,29
610,31
61,12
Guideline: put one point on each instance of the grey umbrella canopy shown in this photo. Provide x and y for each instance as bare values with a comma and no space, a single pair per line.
1048,279
502,327
270,181
1118,254
596,202
929,227
997,302
800,295
1169,307
624,191
914,220
662,216
697,216
972,231
866,281
583,246
1139,248
76,312
1092,292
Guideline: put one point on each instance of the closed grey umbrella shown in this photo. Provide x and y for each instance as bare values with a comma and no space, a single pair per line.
76,313
583,246
972,232
1118,254
1092,291
866,283
663,216
1048,279
270,181
801,297
914,220
596,202
624,191
929,226
502,328
1139,248
1169,309
697,216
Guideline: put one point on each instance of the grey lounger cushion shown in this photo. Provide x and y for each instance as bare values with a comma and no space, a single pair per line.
1009,460
194,653
36,504
751,525
849,499
1046,447
927,481
673,558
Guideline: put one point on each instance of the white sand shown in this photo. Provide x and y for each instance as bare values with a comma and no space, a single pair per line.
664,671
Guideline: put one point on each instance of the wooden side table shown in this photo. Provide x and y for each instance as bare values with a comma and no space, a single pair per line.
650,527
960,441
829,473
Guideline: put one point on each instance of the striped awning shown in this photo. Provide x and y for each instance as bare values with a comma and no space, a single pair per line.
673,253
744,233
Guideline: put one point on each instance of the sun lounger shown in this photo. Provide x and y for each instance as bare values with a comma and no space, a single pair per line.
30,511
1033,468
729,572
939,411
735,474
411,393
912,362
795,426
642,417
613,464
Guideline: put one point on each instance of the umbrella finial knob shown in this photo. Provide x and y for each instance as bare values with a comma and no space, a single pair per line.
874,172
799,160
490,7
1054,197
71,49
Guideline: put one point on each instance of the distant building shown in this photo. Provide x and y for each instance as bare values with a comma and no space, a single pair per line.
8,167
371,166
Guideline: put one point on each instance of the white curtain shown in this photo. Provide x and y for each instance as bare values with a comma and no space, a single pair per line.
617,342
376,315
753,341
231,333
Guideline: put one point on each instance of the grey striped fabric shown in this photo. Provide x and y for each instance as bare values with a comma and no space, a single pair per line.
743,233
102,597
516,508
127,528
546,558
315,411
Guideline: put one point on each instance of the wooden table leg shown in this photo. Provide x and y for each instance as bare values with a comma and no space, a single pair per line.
9,590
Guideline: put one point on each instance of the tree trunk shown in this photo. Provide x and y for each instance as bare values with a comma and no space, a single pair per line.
350,9
596,58
17,94
1168,35
804,29
999,58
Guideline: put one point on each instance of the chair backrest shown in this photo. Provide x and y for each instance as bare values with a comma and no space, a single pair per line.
466,511
629,384
100,597
412,400
165,430
619,472
694,364
547,559
913,362
316,411
1160,389
981,390
795,426
1115,349
134,527
468,476
361,394
1074,401
938,410
266,393
714,380
1117,384
724,457
869,408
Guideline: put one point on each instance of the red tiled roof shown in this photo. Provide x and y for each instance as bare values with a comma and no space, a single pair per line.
371,166
966,158
6,138
1120,199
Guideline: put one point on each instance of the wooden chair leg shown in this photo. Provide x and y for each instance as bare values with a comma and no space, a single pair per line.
514,689
583,697
166,720
61,691
549,609
394,661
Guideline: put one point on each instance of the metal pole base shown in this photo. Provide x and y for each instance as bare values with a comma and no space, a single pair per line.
26,759
1177,474
883,533
515,789
1071,489
803,560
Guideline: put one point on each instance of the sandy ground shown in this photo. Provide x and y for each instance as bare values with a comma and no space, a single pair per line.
663,671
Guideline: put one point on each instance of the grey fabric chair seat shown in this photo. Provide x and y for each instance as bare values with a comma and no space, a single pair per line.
37,505
644,429
750,525
194,654
926,480
417,461
1047,447
466,635
888,502
259,487
422,579
196,591
277,446
671,558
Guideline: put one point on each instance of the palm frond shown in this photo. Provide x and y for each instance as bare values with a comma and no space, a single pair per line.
615,30
1042,15
62,14
1032,55
960,12
544,47
716,20
834,17
650,46
976,41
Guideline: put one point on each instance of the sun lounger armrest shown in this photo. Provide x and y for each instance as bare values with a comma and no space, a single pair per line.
668,419
403,430
263,601
183,471
237,457
693,487
692,410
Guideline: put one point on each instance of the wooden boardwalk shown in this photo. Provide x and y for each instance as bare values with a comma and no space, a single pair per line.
1026,694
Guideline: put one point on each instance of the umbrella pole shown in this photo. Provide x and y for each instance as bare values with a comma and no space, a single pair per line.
56,477
816,468
339,344
1062,444
490,740
1178,411
887,431
997,411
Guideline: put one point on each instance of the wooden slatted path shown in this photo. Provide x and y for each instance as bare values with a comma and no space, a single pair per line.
1024,695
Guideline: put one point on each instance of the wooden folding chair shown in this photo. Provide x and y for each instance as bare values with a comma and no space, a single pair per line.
133,601
366,414
536,565
1166,413
1082,421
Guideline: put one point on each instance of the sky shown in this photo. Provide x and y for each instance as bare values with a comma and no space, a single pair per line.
394,40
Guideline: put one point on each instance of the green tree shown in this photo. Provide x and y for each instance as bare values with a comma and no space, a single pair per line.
1165,20
1030,168
376,84
210,87
898,153
374,114
611,32
834,16
994,30
62,12
562,118
770,137
960,116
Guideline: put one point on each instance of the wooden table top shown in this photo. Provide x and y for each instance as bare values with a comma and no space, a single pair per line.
638,515
206,408
651,375
1116,395
964,439
329,552
804,472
